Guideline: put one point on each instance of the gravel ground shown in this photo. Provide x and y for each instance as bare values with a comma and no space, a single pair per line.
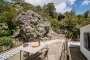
76,54
54,51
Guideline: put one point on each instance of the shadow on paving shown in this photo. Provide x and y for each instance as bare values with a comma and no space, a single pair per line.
41,55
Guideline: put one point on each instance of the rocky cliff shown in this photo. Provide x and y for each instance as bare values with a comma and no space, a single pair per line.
32,25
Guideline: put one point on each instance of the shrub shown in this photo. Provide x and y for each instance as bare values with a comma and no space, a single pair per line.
69,34
6,33
0,48
55,25
6,41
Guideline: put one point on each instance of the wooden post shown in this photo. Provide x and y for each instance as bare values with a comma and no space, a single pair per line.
39,41
28,55
20,54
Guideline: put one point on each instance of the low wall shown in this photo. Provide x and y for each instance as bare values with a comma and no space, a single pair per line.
63,53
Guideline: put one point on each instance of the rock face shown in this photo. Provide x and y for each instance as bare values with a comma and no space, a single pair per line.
32,25
3,27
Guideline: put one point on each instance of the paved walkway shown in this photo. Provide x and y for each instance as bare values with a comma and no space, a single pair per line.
73,44
54,51
17,49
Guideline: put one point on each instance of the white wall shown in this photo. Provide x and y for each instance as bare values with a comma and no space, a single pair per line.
83,30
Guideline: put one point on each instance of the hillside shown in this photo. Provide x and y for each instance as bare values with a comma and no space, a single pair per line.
67,23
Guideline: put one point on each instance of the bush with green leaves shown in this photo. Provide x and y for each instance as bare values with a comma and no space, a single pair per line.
55,24
69,34
6,41
6,33
0,48
8,15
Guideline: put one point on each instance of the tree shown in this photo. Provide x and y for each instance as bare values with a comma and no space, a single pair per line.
50,8
86,14
38,8
83,18
70,19
60,17
3,6
69,23
8,16
44,8
18,0
55,25
2,0
80,19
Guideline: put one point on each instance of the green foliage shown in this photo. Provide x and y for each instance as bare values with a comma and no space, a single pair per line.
20,10
84,18
55,24
25,8
70,24
69,34
49,8
2,0
8,15
74,33
70,20
38,8
0,48
5,33
6,41
86,14
18,0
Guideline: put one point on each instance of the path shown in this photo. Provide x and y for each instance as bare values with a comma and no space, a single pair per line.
55,50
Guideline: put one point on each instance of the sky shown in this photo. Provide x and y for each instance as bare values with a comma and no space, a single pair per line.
80,6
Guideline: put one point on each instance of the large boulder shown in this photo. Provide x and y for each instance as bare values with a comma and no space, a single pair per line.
32,25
